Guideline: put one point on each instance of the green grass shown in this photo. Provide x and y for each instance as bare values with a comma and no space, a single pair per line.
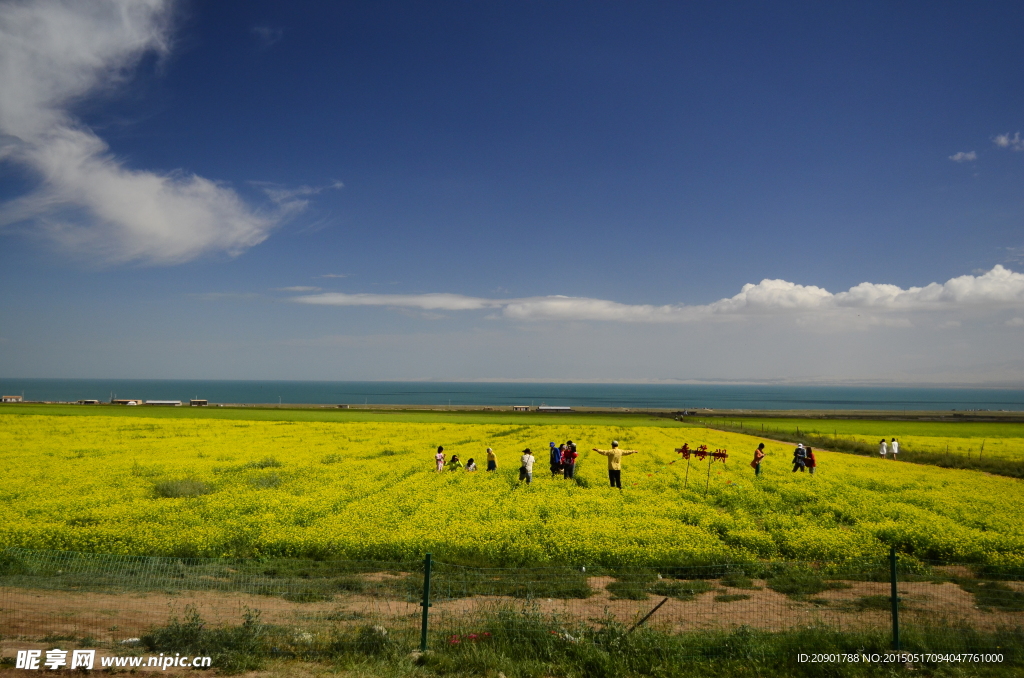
525,644
801,582
339,415
640,584
183,487
889,428
948,444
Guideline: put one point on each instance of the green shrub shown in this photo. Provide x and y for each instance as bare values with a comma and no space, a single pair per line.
267,482
801,582
183,487
265,462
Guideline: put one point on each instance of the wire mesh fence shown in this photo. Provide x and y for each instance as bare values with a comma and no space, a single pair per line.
309,608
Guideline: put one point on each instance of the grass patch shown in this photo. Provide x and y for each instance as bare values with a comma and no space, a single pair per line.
800,583
265,462
308,596
990,595
183,487
879,602
454,582
267,482
638,586
738,580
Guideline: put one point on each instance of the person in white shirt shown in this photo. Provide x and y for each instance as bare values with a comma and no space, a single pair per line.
895,445
882,449
526,466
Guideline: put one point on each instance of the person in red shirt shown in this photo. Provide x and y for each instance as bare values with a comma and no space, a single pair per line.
569,455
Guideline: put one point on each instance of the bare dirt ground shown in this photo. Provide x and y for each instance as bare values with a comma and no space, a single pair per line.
110,618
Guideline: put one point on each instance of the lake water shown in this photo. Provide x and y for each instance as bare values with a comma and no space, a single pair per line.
674,396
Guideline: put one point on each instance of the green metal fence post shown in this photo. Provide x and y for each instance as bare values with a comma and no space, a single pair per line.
895,600
425,603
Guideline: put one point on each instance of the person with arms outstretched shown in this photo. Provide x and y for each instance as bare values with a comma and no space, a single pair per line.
615,456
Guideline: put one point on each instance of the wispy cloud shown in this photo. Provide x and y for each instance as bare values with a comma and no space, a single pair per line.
267,36
54,53
969,156
335,275
1015,322
298,288
999,287
1006,141
294,199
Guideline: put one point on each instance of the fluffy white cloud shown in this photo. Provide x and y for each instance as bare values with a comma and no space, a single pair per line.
1015,322
1007,141
999,287
969,156
54,52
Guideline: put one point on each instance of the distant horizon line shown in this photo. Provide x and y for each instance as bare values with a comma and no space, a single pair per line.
833,383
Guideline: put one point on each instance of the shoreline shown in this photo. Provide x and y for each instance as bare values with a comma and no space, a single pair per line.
674,413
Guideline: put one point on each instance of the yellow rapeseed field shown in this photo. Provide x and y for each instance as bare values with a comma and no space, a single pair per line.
368,490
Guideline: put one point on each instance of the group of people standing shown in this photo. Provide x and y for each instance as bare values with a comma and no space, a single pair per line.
562,460
893,447
803,459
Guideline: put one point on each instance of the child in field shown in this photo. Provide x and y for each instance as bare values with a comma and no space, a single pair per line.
895,448
758,456
439,458
810,461
455,464
526,468
882,449
492,460
471,465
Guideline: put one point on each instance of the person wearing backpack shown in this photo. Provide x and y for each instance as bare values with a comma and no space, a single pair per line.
799,458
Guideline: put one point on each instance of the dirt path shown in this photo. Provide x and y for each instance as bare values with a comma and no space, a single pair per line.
33,614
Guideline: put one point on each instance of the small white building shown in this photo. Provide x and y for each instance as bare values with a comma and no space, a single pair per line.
198,402
554,408
10,399
520,408
164,403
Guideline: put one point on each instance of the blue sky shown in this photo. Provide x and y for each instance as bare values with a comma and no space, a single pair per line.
528,190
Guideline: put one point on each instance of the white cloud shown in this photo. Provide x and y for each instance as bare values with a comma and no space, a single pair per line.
427,302
1015,322
298,288
969,156
1007,141
53,53
335,275
998,287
